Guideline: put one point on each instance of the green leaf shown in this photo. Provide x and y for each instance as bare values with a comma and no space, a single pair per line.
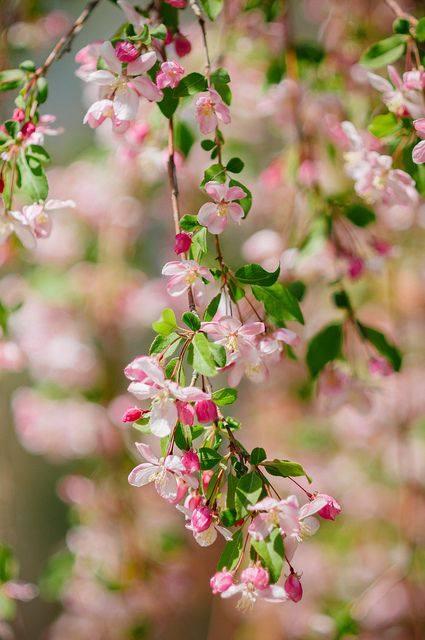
383,125
190,84
27,65
11,79
38,152
248,491
199,245
360,215
231,553
56,575
420,30
235,165
225,396
216,173
166,324
189,223
183,437
220,75
324,347
284,468
246,203
279,302
207,145
209,458
384,52
42,90
33,179
159,32
220,80
169,102
272,553
218,353
184,138
168,344
191,320
8,564
258,455
211,310
382,345
255,274
401,25
203,361
212,7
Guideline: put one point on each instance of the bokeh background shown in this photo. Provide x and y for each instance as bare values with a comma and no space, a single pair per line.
113,562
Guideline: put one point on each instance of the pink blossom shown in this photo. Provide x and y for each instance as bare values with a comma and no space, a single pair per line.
133,16
203,523
132,414
87,58
182,45
183,242
331,509
215,215
257,575
356,267
339,389
34,222
255,584
18,115
19,590
293,587
184,275
201,519
206,411
232,334
190,461
418,153
164,472
221,581
126,51
186,413
210,110
177,4
399,98
170,75
380,366
149,382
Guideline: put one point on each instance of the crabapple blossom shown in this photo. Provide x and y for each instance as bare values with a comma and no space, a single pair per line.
206,411
186,413
293,587
215,215
182,45
203,523
182,243
184,275
164,472
418,153
34,221
221,581
380,366
190,461
132,414
331,509
210,111
232,334
149,383
126,51
255,584
170,75
400,97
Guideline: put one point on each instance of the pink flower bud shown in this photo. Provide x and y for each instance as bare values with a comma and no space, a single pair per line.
169,37
193,501
206,411
132,414
355,268
201,519
28,129
221,581
381,247
182,45
182,243
126,52
293,588
177,4
18,115
190,461
186,413
206,477
331,510
258,576
380,366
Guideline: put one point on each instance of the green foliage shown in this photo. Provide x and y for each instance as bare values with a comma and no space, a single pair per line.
211,310
284,468
324,347
360,215
166,324
382,345
169,102
191,320
272,553
32,181
167,344
209,458
225,396
255,274
384,52
56,575
190,85
189,223
384,125
184,138
203,359
220,80
279,302
420,30
212,8
246,203
231,552
8,565
235,165
11,79
248,491
215,173
258,455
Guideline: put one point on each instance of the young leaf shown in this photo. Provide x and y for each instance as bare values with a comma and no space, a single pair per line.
209,458
272,553
215,173
255,274
211,310
279,302
420,30
258,455
235,165
11,79
33,179
383,125
167,344
191,320
166,323
324,347
248,491
190,84
218,353
169,102
384,52
232,552
381,344
284,468
189,223
184,138
225,396
203,361
212,7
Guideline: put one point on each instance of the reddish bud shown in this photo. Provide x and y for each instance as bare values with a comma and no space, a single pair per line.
355,268
190,461
132,414
182,243
258,576
201,519
18,115
221,581
331,510
293,588
169,37
186,413
206,411
182,45
28,129
126,52
1,185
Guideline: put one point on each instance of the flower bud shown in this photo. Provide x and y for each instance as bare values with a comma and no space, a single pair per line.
132,414
186,413
182,243
206,477
169,37
28,129
380,366
18,115
126,52
201,519
331,510
182,45
221,581
355,268
293,587
258,576
206,411
190,461
193,501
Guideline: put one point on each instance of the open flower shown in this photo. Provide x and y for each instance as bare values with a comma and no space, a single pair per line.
34,221
399,96
210,111
184,274
418,153
203,522
170,75
254,584
232,334
149,383
121,88
215,215
166,473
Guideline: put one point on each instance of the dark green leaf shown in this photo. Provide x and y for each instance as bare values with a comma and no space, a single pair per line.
215,173
189,222
11,79
209,458
33,179
191,320
190,84
248,491
184,138
324,347
42,90
38,152
235,165
8,565
218,353
258,455
207,145
360,215
279,302
211,310
167,344
255,274
381,344
272,553
169,102
420,30
232,552
284,468
183,437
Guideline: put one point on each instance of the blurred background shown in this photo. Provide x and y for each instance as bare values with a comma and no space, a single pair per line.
113,562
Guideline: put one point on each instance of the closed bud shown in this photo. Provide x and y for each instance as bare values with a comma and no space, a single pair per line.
201,519
18,115
182,45
293,588
186,413
330,510
182,243
132,414
126,52
28,129
221,581
190,461
206,411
